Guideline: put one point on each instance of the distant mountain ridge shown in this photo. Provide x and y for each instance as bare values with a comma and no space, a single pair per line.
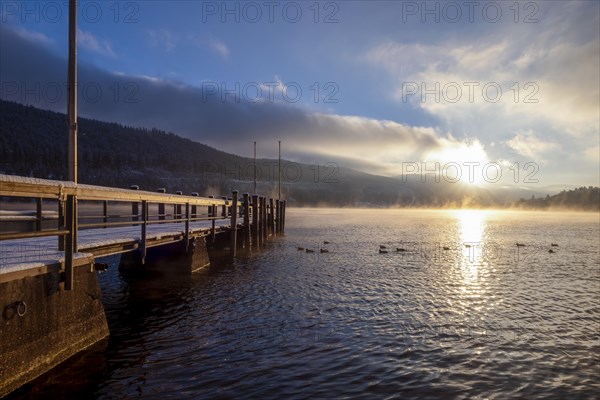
33,142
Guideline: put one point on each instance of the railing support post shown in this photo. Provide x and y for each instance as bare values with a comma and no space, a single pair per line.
259,228
224,207
271,218
277,216
246,220
161,206
187,226
135,212
105,212
61,222
280,217
70,240
254,220
283,216
144,231
234,213
212,211
178,206
194,208
38,214
263,213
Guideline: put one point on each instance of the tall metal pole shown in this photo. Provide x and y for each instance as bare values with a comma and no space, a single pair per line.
72,91
254,168
71,206
279,197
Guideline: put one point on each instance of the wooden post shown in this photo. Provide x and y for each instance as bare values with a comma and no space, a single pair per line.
266,218
135,206
194,209
254,219
70,240
233,242
62,223
38,214
161,206
143,246
283,216
271,218
263,211
277,219
178,206
246,201
212,212
105,212
280,217
260,222
224,208
188,216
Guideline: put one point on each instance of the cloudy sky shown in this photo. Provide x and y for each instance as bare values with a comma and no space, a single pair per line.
499,92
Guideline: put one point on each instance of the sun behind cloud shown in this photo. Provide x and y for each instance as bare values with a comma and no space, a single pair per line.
461,161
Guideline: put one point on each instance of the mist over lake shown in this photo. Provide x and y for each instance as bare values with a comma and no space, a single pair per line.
490,320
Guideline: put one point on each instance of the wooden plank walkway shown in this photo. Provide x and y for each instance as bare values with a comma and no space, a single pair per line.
21,254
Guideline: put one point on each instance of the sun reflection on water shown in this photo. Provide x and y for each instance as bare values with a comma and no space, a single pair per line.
472,225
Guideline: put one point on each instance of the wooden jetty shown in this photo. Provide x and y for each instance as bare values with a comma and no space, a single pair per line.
48,286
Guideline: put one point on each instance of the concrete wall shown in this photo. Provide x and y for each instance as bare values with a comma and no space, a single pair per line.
55,324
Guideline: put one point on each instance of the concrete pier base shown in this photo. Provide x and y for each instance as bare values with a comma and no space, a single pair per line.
43,325
170,258
222,240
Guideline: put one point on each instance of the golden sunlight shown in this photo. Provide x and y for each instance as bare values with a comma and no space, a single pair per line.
462,162
472,225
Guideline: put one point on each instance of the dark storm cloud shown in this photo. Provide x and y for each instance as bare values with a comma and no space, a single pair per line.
31,74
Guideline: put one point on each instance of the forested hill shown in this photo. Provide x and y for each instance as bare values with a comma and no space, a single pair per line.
583,198
33,142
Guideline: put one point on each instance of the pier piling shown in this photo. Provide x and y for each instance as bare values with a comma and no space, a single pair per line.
246,200
254,225
233,241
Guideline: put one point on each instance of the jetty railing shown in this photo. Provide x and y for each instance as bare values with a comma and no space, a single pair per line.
147,208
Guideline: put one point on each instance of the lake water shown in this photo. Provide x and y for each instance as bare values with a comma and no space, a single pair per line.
492,320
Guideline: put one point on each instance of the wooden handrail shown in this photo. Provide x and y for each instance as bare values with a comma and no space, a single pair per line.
17,186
